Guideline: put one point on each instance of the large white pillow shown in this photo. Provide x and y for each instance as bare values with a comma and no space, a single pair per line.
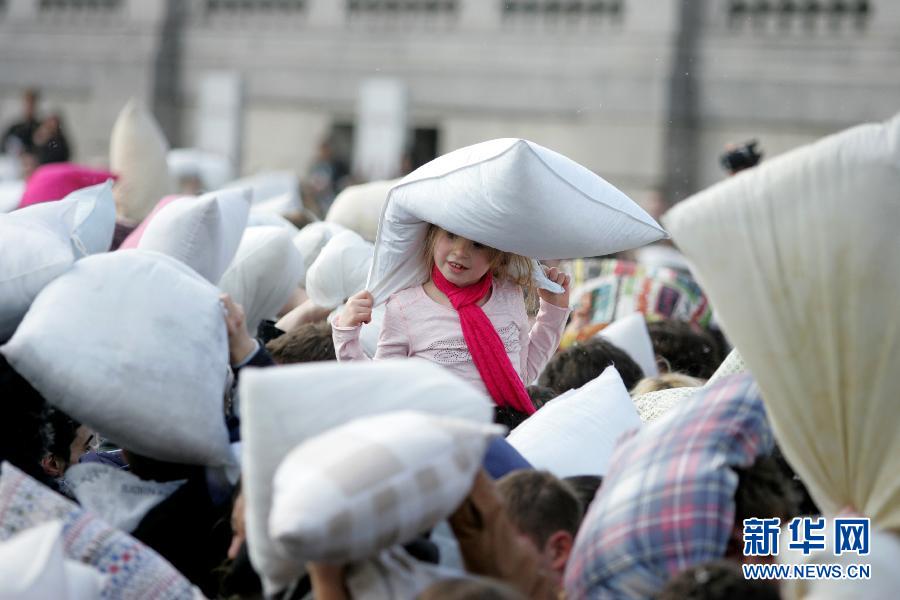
282,407
32,565
137,154
631,335
32,254
90,226
510,194
264,273
203,233
358,207
134,345
373,483
311,239
339,270
800,257
576,433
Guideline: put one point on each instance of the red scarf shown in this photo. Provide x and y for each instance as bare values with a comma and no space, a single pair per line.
484,343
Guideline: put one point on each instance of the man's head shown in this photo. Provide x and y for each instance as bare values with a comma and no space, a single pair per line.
546,511
65,442
307,343
764,491
579,364
30,99
685,348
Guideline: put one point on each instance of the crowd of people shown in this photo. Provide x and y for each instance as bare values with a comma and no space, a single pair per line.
498,377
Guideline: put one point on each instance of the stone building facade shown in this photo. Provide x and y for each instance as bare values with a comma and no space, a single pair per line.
645,92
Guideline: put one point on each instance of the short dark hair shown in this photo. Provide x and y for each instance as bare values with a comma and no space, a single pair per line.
579,364
686,348
717,580
764,491
585,487
540,395
309,342
470,588
21,442
539,504
508,416
59,431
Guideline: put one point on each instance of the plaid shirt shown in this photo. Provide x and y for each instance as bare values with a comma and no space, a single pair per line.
667,502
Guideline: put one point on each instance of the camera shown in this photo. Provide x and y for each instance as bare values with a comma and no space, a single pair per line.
743,157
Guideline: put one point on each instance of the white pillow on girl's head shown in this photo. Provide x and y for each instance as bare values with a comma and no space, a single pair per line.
800,257
33,253
374,483
576,432
32,565
631,335
283,407
340,270
311,239
137,154
509,194
132,344
203,233
264,273
358,207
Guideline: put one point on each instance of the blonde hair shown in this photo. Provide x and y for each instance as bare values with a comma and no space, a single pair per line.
504,266
666,381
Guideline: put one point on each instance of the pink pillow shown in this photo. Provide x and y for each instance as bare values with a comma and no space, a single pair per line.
55,181
135,236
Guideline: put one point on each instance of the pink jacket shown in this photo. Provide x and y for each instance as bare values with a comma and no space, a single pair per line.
416,325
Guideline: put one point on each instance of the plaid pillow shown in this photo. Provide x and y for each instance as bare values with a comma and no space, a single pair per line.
667,502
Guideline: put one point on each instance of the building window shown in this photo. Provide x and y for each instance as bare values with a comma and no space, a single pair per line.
401,7
256,6
572,11
808,15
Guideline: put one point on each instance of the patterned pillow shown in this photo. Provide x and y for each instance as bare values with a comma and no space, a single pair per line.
667,502
374,483
133,570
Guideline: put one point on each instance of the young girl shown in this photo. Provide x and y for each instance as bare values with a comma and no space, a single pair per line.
469,316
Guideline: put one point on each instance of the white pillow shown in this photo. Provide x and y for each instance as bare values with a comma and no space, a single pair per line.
576,433
32,565
132,344
31,256
373,483
654,405
283,186
10,195
510,194
358,207
800,257
91,224
137,154
282,407
213,170
203,233
311,239
264,273
631,335
340,270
